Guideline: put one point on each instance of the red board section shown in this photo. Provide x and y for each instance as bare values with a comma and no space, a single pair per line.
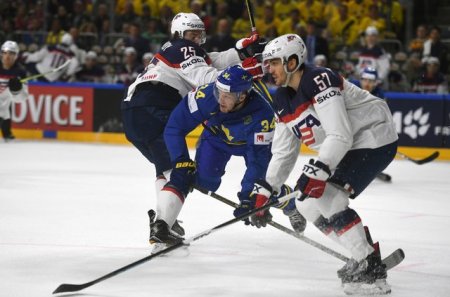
55,108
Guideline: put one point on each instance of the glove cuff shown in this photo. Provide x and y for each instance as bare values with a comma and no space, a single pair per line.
321,165
262,187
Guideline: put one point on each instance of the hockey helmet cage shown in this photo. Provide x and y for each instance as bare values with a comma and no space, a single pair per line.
234,79
187,22
10,46
284,47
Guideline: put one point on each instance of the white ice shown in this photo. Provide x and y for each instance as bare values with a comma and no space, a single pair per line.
70,213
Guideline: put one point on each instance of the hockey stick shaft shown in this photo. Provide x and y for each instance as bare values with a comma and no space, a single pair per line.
23,80
250,15
280,227
425,160
392,260
63,288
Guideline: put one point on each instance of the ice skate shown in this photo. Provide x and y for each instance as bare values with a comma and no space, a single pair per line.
347,269
298,222
160,235
367,277
177,228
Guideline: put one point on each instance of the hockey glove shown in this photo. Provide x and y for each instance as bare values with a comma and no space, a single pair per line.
254,67
250,46
14,85
313,180
183,175
261,194
244,207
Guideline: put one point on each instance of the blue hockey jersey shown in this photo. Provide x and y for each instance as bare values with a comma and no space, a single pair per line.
247,131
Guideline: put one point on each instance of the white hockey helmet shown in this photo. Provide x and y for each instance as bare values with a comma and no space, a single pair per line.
187,21
67,39
10,46
284,47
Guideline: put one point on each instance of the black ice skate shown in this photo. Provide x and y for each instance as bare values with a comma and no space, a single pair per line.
298,222
367,277
345,272
160,233
175,228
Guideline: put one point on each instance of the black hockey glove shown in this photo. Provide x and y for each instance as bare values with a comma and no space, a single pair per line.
244,207
261,194
14,85
183,175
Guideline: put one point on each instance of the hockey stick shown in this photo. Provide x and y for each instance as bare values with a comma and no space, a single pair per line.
59,68
392,260
63,288
250,16
420,161
384,177
279,226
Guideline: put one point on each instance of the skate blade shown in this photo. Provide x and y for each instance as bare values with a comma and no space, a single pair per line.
180,252
157,247
380,287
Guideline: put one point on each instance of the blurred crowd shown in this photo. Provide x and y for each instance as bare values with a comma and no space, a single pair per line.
113,41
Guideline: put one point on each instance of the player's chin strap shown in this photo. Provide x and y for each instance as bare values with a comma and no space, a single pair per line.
288,73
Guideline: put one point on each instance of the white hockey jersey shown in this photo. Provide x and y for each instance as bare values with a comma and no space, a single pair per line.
331,116
51,57
184,65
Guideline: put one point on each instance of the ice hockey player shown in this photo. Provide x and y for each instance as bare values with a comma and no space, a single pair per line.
355,137
237,122
51,57
11,89
370,82
180,66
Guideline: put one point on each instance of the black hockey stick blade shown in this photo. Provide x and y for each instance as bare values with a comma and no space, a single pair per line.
425,160
395,258
64,288
384,177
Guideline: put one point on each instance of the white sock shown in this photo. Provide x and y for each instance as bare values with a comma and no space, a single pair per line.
169,205
159,184
354,239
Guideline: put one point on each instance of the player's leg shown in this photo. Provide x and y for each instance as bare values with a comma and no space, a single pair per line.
6,130
143,127
211,159
353,174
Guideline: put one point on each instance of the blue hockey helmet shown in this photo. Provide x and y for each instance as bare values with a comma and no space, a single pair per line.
369,73
234,79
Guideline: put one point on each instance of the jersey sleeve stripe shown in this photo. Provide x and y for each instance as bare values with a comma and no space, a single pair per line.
165,61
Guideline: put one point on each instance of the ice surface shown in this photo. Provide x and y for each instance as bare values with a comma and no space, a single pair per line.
70,213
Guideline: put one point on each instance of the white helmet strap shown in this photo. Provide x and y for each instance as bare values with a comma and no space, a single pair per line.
289,73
